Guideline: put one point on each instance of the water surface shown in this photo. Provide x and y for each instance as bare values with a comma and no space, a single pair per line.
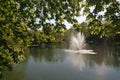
56,64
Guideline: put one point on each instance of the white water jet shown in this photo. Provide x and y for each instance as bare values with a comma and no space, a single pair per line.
77,41
77,44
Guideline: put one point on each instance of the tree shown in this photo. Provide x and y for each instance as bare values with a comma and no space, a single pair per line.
18,16
102,16
57,10
14,36
104,19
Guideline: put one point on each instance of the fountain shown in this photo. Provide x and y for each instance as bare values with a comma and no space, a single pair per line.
77,41
77,44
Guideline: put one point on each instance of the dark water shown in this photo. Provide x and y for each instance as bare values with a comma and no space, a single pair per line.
56,64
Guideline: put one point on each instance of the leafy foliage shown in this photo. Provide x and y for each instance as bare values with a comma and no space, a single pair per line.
40,37
105,17
18,17
14,36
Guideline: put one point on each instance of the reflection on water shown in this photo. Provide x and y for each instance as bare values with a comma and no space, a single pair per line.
47,54
18,72
78,60
109,54
56,64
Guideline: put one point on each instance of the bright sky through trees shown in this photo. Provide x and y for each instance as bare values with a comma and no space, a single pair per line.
80,19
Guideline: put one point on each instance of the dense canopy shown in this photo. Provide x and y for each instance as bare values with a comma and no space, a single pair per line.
18,17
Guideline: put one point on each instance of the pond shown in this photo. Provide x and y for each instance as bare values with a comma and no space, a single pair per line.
56,64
